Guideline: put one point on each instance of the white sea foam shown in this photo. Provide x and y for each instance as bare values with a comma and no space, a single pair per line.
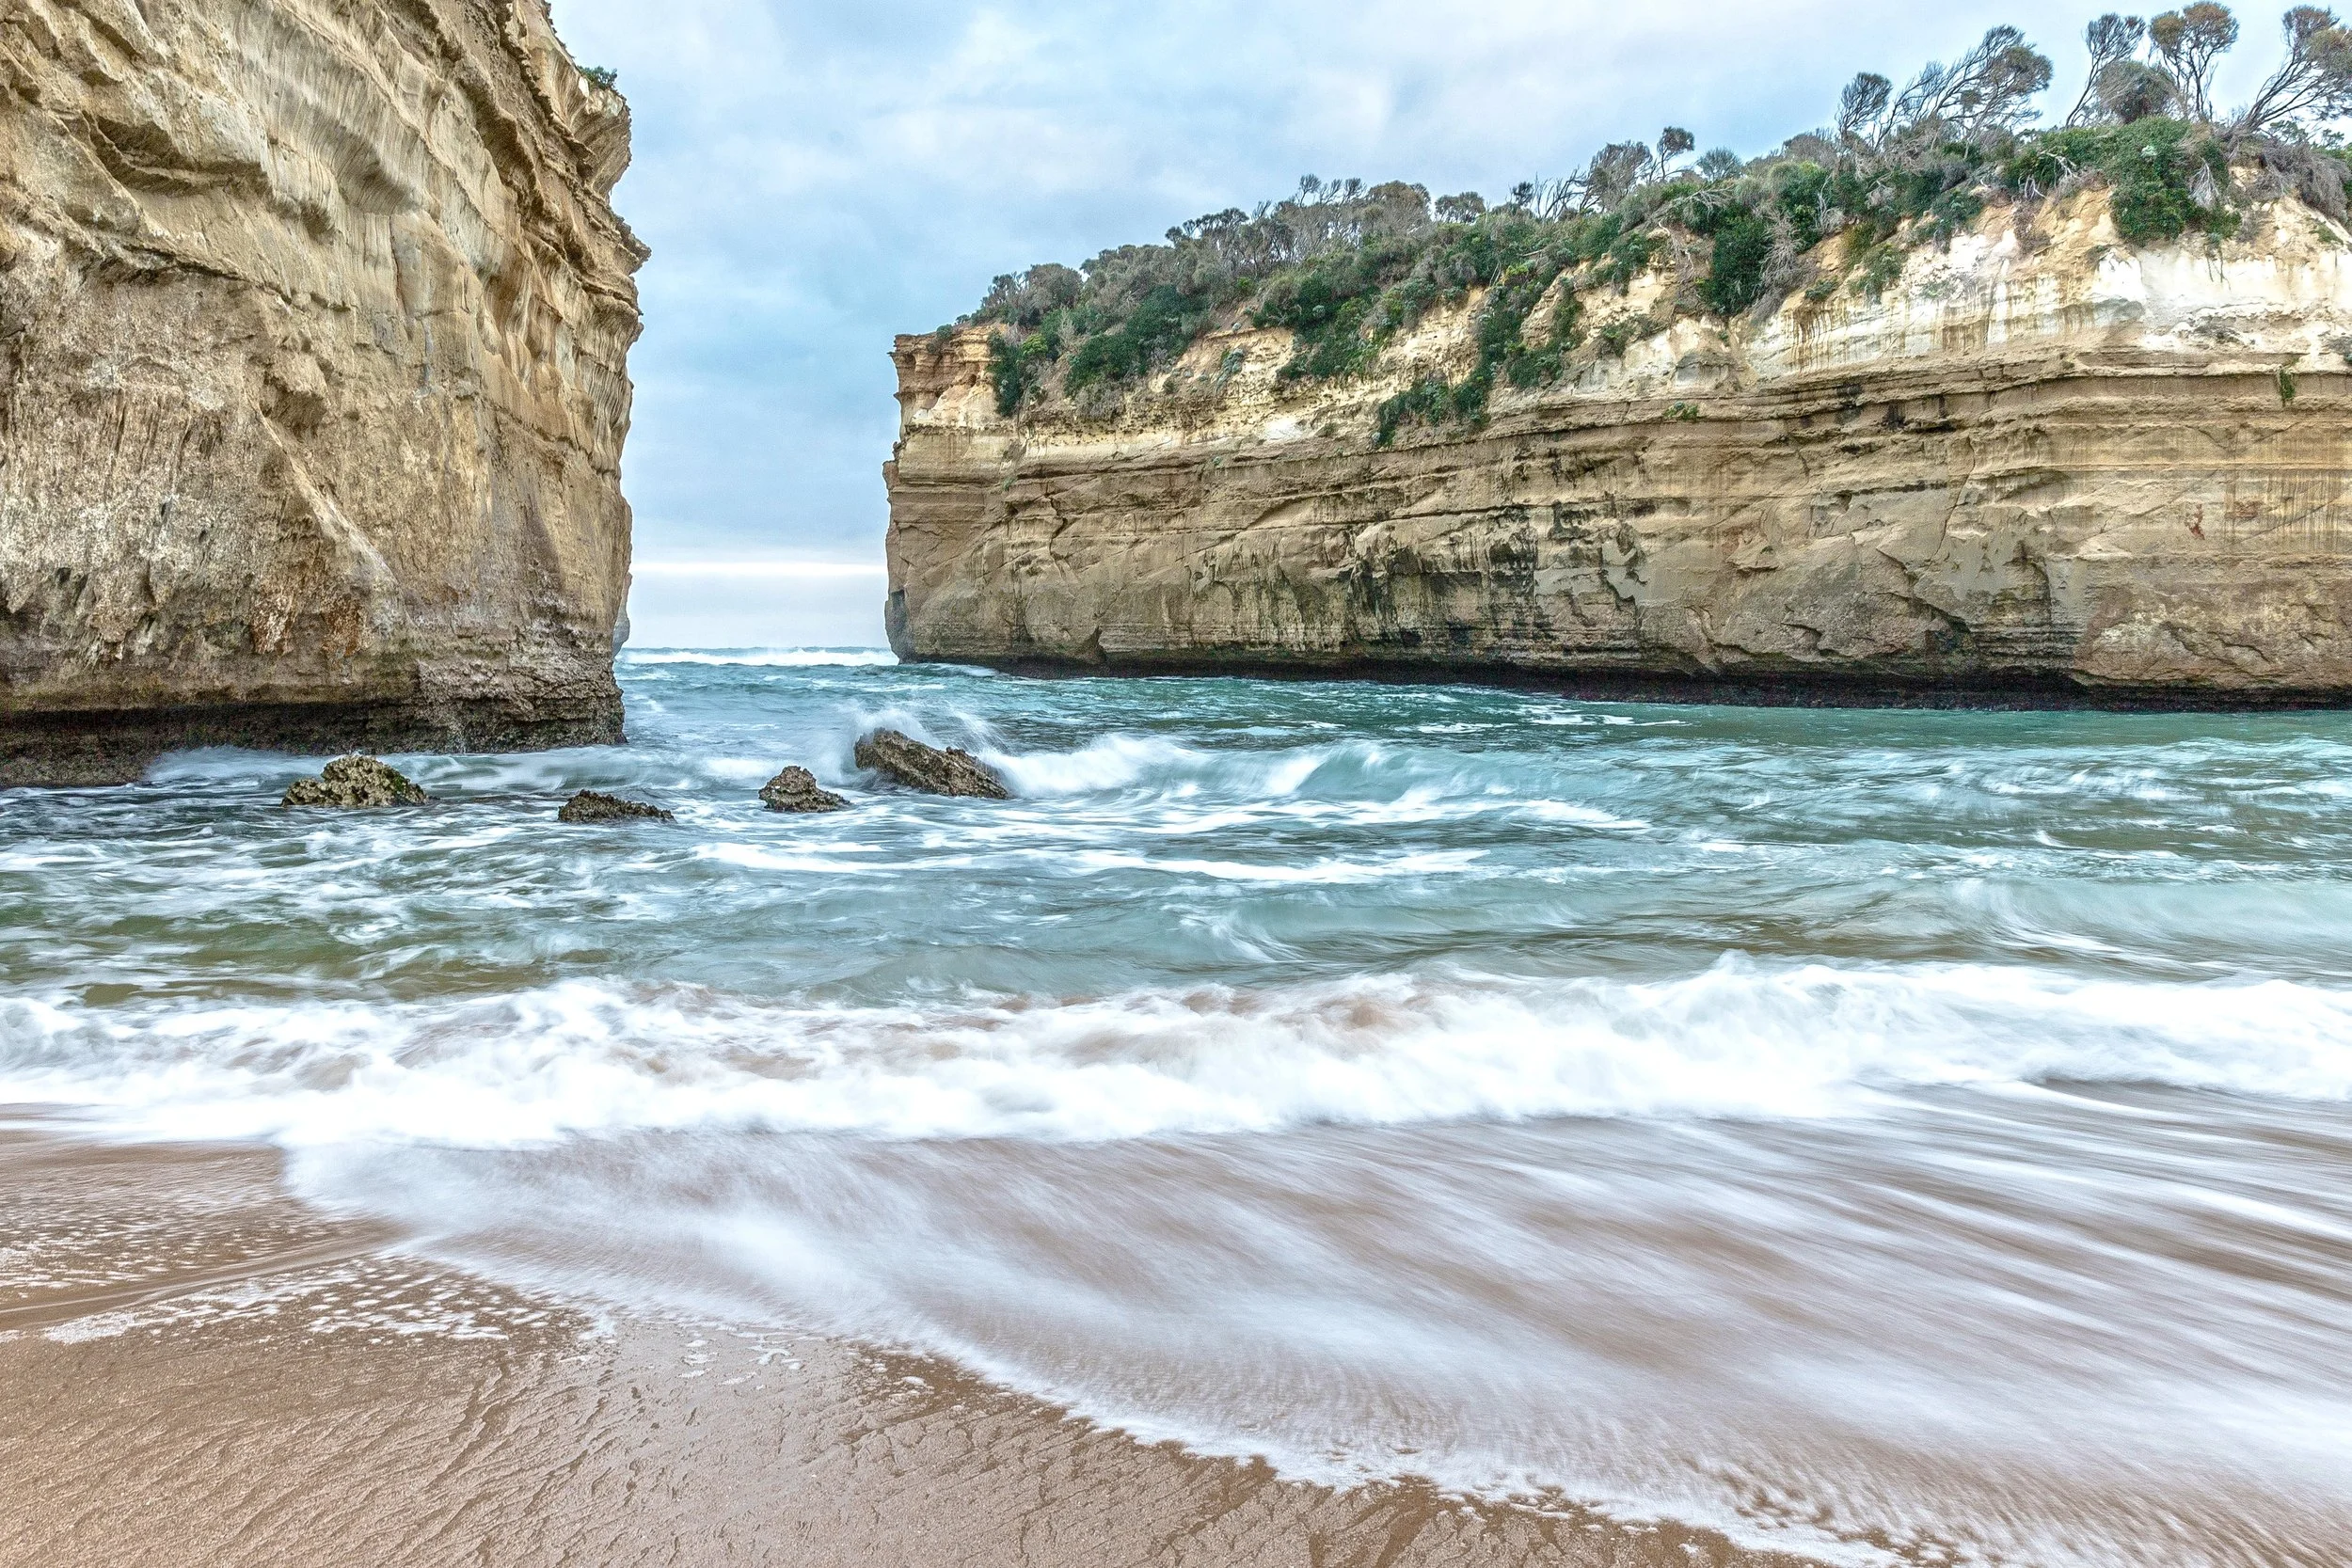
1125,761
1114,762
1426,863
585,1057
1583,817
752,857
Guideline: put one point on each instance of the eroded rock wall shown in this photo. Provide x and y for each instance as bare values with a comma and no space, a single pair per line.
2041,466
315,320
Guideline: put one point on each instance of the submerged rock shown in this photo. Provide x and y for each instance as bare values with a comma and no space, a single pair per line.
796,789
352,782
590,806
953,771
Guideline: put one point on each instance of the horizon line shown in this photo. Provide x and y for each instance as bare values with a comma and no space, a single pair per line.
760,568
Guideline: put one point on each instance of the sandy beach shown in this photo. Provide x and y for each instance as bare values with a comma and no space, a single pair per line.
199,1369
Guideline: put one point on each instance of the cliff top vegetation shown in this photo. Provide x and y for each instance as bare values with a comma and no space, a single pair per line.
1346,267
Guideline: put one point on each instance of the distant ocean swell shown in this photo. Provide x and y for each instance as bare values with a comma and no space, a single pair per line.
764,658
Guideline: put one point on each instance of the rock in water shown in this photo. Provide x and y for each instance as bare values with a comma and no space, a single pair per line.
351,782
953,771
590,806
796,789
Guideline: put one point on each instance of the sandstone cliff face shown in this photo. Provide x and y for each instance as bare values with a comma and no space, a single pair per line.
2041,466
313,328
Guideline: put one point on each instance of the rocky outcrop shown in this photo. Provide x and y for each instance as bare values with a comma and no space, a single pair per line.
314,327
2039,466
355,783
590,806
908,762
796,789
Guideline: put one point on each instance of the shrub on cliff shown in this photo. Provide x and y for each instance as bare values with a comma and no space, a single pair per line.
1016,367
1346,268
2165,177
1163,324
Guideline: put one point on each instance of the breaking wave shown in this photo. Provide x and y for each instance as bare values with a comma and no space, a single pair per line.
587,1057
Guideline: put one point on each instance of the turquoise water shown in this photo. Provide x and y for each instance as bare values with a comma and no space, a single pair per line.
1904,1136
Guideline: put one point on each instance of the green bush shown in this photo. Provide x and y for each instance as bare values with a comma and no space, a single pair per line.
1162,327
1628,256
2151,167
1429,401
1881,264
1625,332
1016,369
1324,308
1735,276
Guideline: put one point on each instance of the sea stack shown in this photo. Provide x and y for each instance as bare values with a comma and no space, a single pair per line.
314,322
2025,458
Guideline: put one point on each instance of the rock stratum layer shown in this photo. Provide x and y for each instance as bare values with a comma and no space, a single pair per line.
315,320
2040,465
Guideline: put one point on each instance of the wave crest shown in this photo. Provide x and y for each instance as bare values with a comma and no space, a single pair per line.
1738,1039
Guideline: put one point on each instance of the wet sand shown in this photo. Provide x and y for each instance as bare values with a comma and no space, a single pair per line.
196,1369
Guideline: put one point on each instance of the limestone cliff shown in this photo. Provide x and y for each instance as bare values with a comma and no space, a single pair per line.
2039,465
314,327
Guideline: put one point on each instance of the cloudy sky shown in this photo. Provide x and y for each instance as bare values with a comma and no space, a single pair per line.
814,177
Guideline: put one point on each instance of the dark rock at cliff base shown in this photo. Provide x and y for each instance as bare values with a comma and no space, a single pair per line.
351,782
589,806
953,771
796,789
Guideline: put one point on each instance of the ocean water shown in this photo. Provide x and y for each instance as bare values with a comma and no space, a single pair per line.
1899,1137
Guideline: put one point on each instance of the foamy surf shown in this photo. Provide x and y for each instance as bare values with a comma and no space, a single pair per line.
584,1056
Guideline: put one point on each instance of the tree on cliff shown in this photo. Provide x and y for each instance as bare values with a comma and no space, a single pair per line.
2316,79
2189,42
2113,43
